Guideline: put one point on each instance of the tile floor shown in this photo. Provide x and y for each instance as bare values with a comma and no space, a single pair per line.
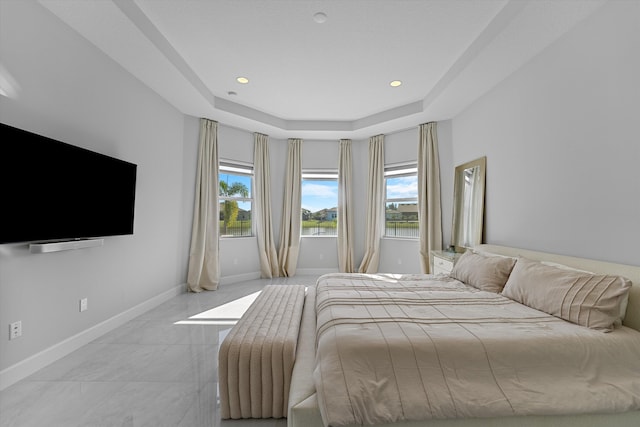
159,369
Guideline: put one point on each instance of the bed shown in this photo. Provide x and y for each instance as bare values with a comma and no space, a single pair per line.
437,358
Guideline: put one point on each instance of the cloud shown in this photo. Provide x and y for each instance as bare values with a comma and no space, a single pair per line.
402,187
317,196
310,189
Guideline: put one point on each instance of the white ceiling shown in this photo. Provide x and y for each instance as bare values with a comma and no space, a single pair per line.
328,80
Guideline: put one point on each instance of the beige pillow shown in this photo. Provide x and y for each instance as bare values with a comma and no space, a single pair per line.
591,300
623,303
488,273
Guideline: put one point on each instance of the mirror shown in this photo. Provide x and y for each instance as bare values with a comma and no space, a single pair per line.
468,204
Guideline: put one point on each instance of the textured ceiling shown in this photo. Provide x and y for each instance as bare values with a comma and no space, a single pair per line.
328,80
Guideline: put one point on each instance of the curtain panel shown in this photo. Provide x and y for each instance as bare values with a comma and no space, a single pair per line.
345,209
429,207
291,211
262,211
375,206
204,265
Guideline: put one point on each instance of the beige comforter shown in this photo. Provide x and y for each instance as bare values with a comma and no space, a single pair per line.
392,348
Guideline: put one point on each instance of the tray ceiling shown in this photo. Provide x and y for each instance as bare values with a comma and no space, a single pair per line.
321,80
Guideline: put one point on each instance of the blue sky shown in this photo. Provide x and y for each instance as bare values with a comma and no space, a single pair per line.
318,195
230,179
402,187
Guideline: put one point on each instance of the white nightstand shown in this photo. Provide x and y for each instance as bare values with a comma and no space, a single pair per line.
442,262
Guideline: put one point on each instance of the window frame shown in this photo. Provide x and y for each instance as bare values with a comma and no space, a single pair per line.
398,170
236,167
318,175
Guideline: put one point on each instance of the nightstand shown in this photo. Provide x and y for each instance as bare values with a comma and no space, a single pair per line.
442,262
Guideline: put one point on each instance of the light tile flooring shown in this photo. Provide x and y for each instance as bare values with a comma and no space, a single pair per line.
159,369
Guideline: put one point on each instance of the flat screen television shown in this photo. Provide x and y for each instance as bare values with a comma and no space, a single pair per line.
53,191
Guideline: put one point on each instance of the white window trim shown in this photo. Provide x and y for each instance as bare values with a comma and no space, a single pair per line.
397,170
318,175
237,167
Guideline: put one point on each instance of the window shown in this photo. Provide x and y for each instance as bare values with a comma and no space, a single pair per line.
401,201
236,199
319,203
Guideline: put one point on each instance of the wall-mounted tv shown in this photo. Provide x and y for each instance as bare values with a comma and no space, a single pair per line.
56,191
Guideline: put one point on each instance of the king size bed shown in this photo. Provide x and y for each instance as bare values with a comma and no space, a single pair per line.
508,340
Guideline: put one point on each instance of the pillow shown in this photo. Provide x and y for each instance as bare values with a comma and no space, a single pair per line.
591,300
625,299
493,254
564,267
487,273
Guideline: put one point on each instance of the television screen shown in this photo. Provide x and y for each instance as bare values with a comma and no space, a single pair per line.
56,191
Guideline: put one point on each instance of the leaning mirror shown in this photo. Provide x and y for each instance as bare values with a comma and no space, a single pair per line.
468,204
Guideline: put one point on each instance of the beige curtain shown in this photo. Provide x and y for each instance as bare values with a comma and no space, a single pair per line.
345,209
204,266
291,211
429,210
375,206
262,211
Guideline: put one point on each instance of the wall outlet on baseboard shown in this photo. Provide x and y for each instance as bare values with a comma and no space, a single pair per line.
83,304
15,330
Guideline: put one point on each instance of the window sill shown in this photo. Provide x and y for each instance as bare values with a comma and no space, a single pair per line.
409,239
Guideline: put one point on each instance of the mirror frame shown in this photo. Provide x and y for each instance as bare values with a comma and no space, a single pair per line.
458,197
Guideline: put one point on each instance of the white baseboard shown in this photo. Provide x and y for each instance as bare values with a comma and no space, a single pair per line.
239,278
28,366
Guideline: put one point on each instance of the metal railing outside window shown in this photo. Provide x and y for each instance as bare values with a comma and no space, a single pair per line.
235,199
319,203
401,229
401,201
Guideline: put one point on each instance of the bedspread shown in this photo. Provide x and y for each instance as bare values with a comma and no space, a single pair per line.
413,347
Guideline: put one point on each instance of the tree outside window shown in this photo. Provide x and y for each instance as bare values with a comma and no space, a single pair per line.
236,201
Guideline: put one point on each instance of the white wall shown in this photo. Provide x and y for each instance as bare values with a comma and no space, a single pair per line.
189,162
72,92
561,141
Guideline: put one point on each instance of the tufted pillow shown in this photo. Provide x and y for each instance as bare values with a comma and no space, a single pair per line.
487,273
591,300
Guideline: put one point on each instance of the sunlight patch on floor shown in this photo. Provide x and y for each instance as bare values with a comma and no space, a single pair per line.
225,314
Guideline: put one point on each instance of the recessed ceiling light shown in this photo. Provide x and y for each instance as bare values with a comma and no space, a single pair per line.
395,83
242,80
320,17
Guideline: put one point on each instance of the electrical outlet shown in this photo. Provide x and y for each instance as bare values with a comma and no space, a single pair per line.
83,304
15,330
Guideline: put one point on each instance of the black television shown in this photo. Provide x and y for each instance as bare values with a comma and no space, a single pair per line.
54,191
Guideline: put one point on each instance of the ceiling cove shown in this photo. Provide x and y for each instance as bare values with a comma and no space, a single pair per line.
318,69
